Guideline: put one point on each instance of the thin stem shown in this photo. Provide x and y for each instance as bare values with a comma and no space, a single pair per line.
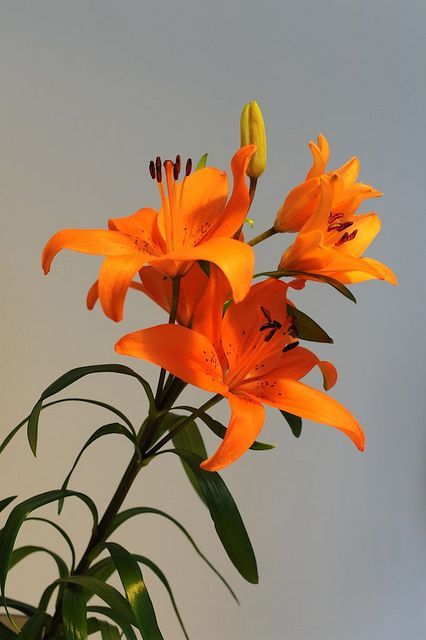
172,318
252,191
262,236
181,425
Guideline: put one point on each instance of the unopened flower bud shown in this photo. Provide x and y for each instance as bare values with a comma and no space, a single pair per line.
253,132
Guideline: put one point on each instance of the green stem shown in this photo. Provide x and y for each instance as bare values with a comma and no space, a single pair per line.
262,236
181,425
252,191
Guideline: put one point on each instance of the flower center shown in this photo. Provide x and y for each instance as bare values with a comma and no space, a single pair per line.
172,200
257,348
337,224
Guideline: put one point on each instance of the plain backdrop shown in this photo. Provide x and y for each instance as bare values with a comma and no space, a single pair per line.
90,92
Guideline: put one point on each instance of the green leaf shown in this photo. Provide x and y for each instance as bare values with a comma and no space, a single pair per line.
202,162
107,429
307,329
6,502
107,630
74,614
189,438
35,625
123,516
322,278
110,613
225,515
108,594
22,607
155,569
73,376
22,552
18,515
63,534
6,633
294,422
220,430
104,405
136,591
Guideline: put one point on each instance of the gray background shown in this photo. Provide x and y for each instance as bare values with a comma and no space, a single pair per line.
91,91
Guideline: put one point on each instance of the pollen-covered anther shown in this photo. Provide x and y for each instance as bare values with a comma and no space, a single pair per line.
339,226
188,167
346,237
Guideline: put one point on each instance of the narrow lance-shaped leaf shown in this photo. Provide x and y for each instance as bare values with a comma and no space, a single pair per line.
107,630
18,515
6,502
74,614
202,162
126,628
62,532
35,625
123,516
225,515
107,429
24,552
136,591
73,376
307,329
108,594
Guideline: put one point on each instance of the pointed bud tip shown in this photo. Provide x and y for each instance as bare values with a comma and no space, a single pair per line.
252,129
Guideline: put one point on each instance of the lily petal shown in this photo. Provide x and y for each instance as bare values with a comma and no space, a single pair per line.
306,402
141,225
247,418
99,242
234,258
349,171
93,293
381,272
115,276
185,353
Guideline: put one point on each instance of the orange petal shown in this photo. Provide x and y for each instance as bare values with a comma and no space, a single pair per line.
247,419
235,259
381,272
115,276
298,207
93,293
141,225
368,226
185,353
349,171
324,147
207,317
318,166
235,212
296,364
296,397
99,242
329,374
353,196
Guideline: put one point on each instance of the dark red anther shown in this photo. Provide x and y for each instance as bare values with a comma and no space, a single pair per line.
188,167
178,163
339,226
334,216
158,169
344,238
290,346
152,169
352,235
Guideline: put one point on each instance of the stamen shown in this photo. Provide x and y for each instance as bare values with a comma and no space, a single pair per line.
339,226
178,163
176,171
290,346
266,313
152,169
188,167
346,237
352,235
334,216
158,168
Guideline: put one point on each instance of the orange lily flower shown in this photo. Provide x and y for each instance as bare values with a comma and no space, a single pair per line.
159,288
332,243
195,222
251,358
302,201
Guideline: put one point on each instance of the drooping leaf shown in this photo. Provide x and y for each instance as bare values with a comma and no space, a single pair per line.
23,552
107,429
294,422
307,329
322,278
98,403
6,633
126,628
136,591
74,614
18,515
108,594
107,630
22,607
69,378
225,515
123,516
201,162
220,430
62,532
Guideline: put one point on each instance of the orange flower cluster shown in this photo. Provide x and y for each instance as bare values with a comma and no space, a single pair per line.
226,334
